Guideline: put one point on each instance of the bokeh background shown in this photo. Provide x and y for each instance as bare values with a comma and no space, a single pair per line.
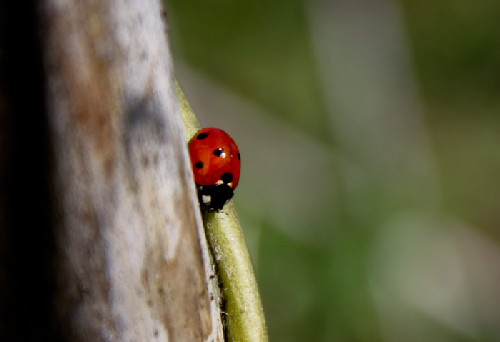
370,140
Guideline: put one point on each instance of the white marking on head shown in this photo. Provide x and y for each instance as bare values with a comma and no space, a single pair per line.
206,199
230,184
219,182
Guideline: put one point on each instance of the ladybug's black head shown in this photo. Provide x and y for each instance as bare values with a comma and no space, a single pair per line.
214,197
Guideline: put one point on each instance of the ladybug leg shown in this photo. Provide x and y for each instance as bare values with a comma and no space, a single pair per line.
220,211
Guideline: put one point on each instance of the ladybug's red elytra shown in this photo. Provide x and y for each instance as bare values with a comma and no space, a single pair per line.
215,159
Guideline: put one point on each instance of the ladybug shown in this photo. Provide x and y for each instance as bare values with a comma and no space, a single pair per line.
215,159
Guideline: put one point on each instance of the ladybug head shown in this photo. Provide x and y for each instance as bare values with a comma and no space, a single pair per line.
214,197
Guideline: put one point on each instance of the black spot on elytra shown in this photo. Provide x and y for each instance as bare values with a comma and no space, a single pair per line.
202,136
227,177
218,152
199,165
239,156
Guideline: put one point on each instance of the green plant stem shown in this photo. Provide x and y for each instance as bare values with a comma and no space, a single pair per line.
245,315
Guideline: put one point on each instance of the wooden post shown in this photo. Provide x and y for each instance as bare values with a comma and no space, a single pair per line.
124,255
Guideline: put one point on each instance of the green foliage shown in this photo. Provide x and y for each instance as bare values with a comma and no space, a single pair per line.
369,142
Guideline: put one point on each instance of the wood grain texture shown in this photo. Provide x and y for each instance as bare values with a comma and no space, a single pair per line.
131,264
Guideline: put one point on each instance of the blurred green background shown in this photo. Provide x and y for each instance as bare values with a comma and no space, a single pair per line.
370,140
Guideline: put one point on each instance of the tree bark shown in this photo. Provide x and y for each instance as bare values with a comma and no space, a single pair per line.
119,248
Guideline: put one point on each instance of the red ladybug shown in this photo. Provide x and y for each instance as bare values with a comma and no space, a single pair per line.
216,166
